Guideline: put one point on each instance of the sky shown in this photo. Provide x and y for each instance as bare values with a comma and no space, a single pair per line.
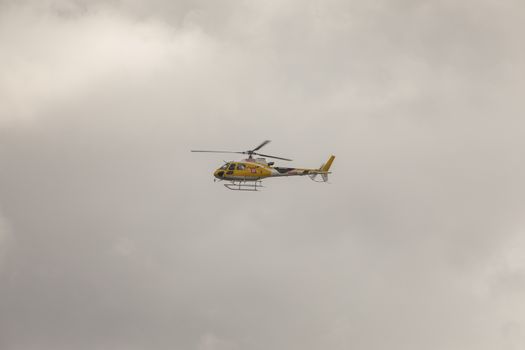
113,236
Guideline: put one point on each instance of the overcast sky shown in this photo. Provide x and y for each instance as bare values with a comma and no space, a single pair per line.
113,236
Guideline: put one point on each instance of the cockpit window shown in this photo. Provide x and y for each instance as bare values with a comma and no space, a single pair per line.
224,166
240,167
232,166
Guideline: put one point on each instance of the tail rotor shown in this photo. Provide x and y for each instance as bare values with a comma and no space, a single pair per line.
323,171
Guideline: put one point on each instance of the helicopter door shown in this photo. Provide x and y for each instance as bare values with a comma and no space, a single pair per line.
231,168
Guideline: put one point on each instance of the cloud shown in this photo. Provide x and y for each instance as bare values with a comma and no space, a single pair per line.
53,58
6,239
124,241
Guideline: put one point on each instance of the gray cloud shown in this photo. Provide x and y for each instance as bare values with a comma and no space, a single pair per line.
120,240
6,239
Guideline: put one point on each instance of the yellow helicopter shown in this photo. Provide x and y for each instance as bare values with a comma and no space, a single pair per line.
247,174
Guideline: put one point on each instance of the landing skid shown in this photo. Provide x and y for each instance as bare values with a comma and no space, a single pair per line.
244,186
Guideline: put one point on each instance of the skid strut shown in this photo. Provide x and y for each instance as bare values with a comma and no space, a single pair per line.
244,185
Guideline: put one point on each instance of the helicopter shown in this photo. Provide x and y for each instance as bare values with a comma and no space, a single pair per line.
247,174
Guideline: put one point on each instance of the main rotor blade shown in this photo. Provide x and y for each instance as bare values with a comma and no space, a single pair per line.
265,155
261,145
216,151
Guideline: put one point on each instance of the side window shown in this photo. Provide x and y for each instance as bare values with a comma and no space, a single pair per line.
232,166
240,167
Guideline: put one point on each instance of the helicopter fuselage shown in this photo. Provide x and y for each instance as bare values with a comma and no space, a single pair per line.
256,170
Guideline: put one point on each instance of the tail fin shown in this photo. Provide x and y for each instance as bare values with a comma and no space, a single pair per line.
326,166
323,170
